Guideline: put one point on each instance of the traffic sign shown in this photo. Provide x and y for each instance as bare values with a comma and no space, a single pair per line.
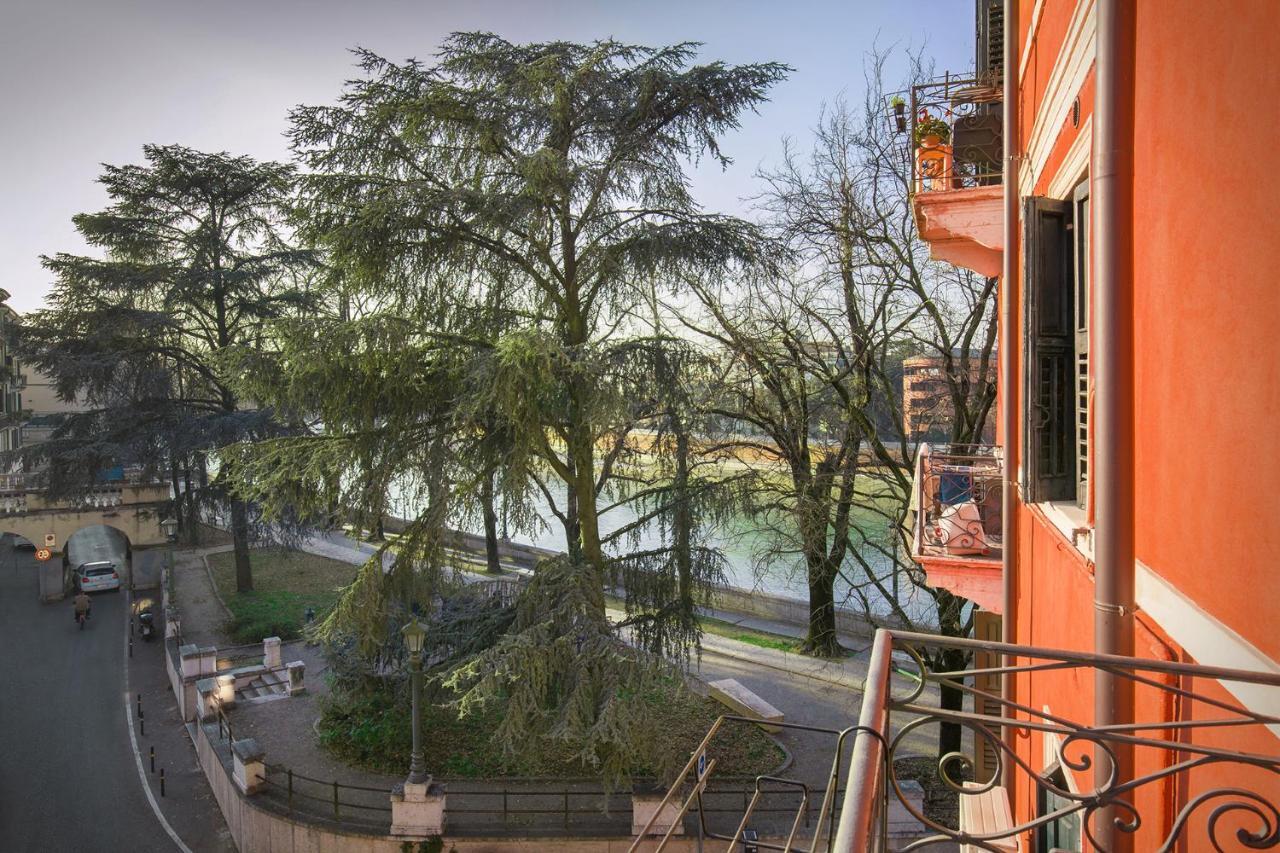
43,553
702,764
50,541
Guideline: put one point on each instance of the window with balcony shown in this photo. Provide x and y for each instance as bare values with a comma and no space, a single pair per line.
1056,348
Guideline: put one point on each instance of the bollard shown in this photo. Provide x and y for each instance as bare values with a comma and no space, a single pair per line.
335,798
130,626
162,781
291,790
142,727
152,752
130,646
139,705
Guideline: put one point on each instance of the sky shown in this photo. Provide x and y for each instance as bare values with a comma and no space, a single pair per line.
88,82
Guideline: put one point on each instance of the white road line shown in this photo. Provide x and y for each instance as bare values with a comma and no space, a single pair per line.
137,756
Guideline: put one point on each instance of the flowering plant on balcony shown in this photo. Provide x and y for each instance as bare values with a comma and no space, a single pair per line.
929,126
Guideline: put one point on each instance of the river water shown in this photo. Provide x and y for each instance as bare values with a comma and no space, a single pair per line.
743,542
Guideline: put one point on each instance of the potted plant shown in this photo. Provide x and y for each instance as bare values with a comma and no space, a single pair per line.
899,113
932,131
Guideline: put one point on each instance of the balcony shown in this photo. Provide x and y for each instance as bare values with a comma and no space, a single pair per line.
959,525
954,130
1205,773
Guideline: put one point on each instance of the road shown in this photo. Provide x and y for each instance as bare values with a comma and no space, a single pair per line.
68,781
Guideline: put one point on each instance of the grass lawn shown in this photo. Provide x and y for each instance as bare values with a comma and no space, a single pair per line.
751,636
285,584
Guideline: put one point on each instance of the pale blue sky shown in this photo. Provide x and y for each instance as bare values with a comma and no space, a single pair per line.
91,81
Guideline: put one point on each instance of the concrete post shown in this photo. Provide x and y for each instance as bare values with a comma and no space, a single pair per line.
208,661
417,809
226,691
271,653
190,656
297,669
206,699
248,765
645,802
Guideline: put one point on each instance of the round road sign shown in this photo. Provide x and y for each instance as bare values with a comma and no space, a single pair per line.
43,554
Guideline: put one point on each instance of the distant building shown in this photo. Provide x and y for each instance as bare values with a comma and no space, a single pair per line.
11,380
927,411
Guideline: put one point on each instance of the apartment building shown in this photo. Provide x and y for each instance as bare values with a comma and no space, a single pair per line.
1103,160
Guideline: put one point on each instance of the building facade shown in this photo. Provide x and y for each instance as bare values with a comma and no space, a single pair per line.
927,408
1129,222
12,381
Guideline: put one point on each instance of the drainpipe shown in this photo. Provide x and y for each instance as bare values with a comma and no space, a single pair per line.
1008,369
1112,360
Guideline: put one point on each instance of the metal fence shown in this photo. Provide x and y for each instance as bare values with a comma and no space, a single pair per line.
952,129
959,512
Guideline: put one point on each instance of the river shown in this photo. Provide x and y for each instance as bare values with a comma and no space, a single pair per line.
743,541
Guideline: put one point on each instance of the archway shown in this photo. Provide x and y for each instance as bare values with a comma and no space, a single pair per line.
95,543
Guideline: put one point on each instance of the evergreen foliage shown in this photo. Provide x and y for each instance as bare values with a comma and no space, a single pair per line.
193,262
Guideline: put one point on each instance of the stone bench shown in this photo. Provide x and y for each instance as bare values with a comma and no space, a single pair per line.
732,694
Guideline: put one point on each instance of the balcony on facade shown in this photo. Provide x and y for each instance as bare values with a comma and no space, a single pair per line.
953,126
1205,773
958,531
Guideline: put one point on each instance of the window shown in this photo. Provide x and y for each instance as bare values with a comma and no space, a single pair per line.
1063,833
1080,270
1056,349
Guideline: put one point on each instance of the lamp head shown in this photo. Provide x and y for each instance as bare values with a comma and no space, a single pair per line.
170,529
415,634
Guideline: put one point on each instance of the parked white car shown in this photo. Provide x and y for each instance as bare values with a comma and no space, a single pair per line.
97,576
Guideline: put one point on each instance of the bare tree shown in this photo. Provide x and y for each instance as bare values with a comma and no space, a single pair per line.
819,358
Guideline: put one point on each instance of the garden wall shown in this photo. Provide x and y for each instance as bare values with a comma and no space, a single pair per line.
256,828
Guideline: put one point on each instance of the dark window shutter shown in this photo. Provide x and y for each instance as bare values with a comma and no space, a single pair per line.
1048,413
989,55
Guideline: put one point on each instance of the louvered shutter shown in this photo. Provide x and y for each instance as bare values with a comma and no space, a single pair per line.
1048,413
986,626
1081,299
989,54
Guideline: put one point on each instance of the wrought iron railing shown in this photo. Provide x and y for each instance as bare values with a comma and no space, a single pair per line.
1203,739
1185,745
958,494
965,148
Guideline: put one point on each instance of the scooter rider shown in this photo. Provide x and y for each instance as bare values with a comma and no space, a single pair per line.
82,604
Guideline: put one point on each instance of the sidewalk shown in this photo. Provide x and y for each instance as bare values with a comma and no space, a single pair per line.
187,803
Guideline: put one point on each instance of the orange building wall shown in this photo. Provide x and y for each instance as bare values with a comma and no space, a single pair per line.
1207,311
1207,318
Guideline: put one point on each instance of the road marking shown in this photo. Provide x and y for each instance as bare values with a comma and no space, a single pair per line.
137,755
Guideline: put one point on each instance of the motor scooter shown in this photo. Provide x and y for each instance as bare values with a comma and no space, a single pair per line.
147,624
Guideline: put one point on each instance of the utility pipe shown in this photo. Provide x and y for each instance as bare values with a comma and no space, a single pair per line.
1112,362
1008,368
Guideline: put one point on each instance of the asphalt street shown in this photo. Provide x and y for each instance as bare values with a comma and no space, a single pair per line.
68,779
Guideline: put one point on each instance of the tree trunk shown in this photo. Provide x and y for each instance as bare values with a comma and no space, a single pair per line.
240,538
493,560
683,522
951,660
820,640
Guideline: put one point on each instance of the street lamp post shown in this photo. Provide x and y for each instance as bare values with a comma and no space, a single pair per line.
414,635
170,529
